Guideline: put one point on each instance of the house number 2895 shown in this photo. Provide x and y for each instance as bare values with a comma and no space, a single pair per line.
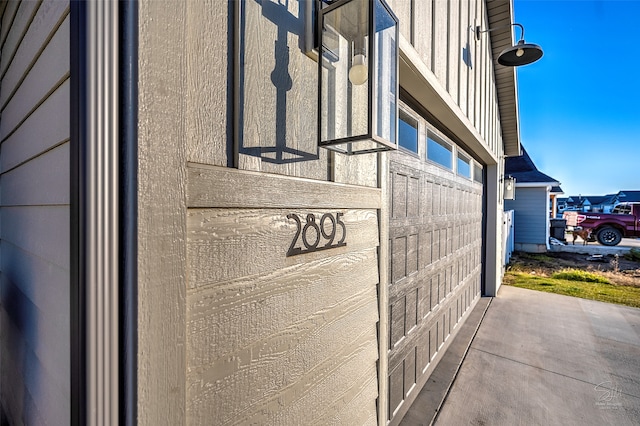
316,234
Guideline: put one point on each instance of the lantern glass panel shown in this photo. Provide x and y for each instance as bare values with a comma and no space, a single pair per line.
386,73
344,104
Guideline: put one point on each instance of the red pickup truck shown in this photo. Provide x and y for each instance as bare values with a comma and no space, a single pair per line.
609,228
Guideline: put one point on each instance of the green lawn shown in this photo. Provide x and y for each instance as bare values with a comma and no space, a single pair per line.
577,285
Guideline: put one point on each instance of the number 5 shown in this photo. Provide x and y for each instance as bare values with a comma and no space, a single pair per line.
344,228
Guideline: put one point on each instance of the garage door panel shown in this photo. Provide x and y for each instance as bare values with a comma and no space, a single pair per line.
432,284
423,353
413,197
398,258
407,309
410,371
397,321
424,255
396,388
399,182
408,342
435,247
411,310
408,284
433,330
412,253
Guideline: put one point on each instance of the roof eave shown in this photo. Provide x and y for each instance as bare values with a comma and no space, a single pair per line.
500,14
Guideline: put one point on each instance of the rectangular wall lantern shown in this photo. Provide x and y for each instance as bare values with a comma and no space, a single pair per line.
357,76
509,188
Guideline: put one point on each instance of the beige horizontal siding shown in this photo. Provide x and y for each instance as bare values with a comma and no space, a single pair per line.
284,347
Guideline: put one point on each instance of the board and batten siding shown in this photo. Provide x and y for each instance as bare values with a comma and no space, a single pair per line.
442,33
34,212
531,211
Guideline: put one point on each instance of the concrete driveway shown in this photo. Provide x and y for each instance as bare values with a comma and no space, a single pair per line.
545,359
630,242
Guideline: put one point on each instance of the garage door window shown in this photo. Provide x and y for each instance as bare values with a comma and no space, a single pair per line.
477,173
464,166
408,135
439,152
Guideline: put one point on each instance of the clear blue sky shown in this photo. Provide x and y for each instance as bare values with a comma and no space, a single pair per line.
580,103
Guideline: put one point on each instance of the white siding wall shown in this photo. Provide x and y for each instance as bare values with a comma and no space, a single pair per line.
34,212
442,34
530,222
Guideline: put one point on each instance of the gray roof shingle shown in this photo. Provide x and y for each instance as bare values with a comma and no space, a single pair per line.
523,169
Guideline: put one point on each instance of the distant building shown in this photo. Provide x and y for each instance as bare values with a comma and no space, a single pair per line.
597,203
535,192
627,197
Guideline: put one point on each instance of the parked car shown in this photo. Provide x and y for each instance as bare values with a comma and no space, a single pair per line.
610,228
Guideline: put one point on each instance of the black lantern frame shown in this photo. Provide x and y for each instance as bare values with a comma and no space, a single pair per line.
371,29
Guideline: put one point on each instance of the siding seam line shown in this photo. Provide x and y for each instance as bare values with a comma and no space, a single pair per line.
33,157
55,87
35,205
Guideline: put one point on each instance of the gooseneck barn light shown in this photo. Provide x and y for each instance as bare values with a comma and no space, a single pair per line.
357,76
520,54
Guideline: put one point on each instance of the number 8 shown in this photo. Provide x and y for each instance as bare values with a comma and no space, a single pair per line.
311,221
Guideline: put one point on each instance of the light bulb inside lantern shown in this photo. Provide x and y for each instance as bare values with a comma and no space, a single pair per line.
358,73
519,52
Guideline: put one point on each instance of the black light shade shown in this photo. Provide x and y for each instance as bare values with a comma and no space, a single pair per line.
520,54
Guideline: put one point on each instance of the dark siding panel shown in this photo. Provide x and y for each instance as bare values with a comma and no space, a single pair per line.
31,271
42,231
36,183
33,138
38,347
50,71
19,26
47,19
35,213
